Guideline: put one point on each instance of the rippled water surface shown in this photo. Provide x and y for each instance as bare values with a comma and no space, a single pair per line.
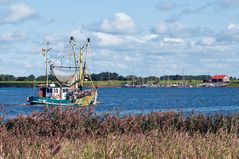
137,100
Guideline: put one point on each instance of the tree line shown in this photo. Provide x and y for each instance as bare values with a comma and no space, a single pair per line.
6,77
105,76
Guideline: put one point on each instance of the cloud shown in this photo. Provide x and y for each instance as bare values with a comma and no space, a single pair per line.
120,23
233,26
187,10
167,27
167,49
207,41
105,39
197,10
13,36
228,3
230,34
5,1
177,29
118,46
173,40
18,13
101,39
171,45
22,65
81,33
166,6
8,39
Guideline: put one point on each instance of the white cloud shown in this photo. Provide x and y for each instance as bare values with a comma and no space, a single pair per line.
80,33
173,40
167,27
13,36
233,26
104,39
207,41
18,13
230,34
177,29
128,58
120,23
166,6
149,37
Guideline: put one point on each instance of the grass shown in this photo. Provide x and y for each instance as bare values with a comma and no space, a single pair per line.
111,83
234,83
80,133
30,82
21,83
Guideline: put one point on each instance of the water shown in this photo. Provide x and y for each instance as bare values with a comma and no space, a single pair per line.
136,100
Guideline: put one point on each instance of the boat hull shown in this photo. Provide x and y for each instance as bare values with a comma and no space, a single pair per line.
47,101
82,101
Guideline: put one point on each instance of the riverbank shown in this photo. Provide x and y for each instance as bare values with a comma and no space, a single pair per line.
82,134
37,83
118,84
27,84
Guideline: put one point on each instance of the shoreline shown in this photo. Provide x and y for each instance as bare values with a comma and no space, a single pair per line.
104,84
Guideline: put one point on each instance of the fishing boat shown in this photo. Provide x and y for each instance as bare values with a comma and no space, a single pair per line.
69,87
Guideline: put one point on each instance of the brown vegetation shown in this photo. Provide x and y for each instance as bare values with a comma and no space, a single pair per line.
79,133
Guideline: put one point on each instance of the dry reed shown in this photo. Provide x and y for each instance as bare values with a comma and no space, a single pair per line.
80,133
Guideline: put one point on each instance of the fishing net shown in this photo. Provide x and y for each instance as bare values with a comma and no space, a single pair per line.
66,75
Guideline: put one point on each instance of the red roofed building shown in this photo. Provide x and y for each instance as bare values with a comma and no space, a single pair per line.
220,78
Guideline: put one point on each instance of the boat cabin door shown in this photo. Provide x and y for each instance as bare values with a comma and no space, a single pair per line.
64,92
42,92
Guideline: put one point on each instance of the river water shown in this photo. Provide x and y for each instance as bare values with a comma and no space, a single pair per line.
136,100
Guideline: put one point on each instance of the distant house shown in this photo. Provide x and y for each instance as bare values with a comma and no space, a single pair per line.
220,78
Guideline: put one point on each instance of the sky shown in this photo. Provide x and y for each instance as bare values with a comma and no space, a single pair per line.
144,38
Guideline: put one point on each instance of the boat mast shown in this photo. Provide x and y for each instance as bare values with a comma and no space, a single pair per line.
83,66
81,78
87,51
72,42
46,70
45,53
73,49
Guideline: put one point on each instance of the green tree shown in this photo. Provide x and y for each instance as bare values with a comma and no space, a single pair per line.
31,77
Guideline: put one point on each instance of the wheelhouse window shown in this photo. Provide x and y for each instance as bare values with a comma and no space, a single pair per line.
49,90
65,90
55,90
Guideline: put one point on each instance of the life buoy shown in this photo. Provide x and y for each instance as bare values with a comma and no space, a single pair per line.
56,96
